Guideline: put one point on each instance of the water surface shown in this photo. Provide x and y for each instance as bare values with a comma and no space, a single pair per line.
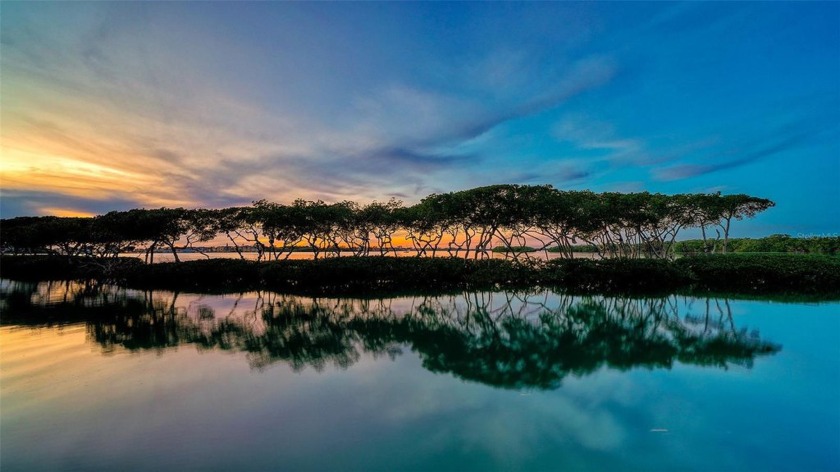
96,377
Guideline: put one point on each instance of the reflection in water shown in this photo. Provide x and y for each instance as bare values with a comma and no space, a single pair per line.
511,340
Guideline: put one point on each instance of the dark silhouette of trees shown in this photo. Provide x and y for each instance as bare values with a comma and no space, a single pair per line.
469,224
382,220
45,235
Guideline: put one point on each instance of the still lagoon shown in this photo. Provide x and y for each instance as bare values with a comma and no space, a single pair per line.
96,377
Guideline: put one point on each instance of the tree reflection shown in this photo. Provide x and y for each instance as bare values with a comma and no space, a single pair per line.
510,340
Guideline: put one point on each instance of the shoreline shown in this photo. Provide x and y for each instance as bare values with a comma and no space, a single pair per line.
779,275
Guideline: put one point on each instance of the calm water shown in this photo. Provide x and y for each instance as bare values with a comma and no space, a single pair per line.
98,378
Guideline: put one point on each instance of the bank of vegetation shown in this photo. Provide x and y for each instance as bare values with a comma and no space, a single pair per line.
730,273
777,243
635,235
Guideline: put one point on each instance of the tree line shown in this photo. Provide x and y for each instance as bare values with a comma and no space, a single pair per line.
829,245
467,224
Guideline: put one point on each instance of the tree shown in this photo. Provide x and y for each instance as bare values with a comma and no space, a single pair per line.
178,229
382,221
231,223
739,207
46,234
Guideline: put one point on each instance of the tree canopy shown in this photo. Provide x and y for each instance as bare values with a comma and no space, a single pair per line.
469,224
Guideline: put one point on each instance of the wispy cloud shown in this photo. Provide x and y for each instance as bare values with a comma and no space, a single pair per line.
744,150
127,106
172,104
591,134
411,117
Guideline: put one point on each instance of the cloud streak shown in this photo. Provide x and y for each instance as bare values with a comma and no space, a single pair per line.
778,141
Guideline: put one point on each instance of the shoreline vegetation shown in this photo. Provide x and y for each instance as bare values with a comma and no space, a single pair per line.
453,236
776,243
811,276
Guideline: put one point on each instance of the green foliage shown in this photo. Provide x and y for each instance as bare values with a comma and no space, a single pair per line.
468,223
504,249
774,243
731,273
615,275
585,248
760,273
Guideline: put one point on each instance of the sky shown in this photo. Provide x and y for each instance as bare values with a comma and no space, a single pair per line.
111,106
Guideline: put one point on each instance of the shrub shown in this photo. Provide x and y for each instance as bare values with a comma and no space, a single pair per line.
756,273
210,274
615,275
730,273
64,268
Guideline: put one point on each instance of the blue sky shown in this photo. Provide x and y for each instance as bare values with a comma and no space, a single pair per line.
118,105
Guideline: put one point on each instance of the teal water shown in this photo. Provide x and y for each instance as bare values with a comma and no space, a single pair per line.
99,377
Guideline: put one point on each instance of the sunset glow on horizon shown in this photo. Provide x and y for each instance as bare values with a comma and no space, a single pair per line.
111,106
